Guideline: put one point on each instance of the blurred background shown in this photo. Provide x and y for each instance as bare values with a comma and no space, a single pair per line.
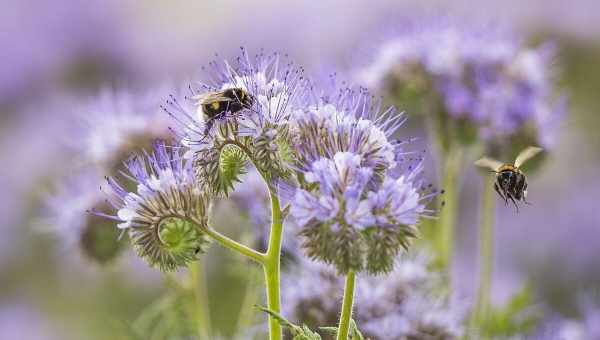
56,55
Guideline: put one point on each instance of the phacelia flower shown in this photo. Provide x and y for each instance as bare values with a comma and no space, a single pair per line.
401,305
115,125
357,206
482,77
258,130
165,215
350,121
66,217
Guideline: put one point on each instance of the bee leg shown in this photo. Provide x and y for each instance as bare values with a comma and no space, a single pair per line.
500,192
514,202
208,126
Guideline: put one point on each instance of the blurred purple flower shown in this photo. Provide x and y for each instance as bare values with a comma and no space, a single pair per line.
403,304
483,73
45,44
19,320
115,124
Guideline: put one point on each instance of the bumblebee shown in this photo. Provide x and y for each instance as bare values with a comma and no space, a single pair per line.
511,183
216,105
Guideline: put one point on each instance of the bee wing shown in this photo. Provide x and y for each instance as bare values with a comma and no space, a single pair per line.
490,163
211,97
526,154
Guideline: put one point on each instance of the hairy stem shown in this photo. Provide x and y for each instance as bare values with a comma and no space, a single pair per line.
272,265
486,249
199,291
346,315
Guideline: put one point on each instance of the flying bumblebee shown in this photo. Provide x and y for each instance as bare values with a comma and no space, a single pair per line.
215,105
511,183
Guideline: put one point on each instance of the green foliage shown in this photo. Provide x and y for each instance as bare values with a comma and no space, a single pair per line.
517,317
298,333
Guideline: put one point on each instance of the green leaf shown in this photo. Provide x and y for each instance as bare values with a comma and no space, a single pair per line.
298,333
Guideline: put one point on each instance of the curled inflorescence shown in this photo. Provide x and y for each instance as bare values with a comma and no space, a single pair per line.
167,212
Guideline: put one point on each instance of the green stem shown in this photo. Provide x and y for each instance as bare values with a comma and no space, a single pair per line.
486,249
235,246
271,266
199,291
346,315
444,232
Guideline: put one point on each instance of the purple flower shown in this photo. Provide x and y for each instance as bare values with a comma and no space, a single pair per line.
259,131
356,205
164,215
114,125
348,122
481,73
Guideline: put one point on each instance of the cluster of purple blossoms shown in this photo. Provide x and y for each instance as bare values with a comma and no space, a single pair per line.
360,196
222,146
354,192
402,305
165,215
480,74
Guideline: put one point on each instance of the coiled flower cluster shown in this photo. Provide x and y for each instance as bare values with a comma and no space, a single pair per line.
165,215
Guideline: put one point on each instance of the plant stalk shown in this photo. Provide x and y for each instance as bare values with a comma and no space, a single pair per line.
199,291
234,245
486,249
346,315
271,266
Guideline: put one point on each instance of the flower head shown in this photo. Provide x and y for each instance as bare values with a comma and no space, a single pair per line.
165,215
257,131
482,77
357,205
117,124
349,121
